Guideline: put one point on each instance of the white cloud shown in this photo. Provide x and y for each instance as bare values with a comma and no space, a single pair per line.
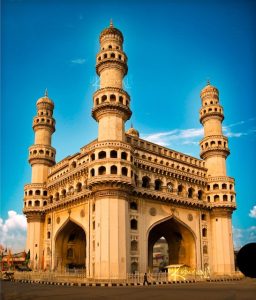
13,231
252,213
242,237
78,61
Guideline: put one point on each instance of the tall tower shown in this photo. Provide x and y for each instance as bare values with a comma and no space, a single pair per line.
110,169
111,107
41,157
220,187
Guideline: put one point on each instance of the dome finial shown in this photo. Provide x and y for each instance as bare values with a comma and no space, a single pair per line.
46,92
131,125
208,82
111,23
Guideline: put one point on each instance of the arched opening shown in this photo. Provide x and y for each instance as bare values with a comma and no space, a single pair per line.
102,155
158,185
169,187
224,186
134,245
102,170
92,172
134,267
133,205
79,187
216,198
70,247
204,232
190,192
49,220
93,157
134,224
200,195
73,165
112,97
160,255
180,189
225,198
113,154
121,99
180,243
145,182
103,98
63,193
112,55
37,203
215,186
124,155
113,170
124,171
37,192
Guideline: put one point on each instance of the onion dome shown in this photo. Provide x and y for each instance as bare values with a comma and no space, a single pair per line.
111,30
132,131
209,90
45,100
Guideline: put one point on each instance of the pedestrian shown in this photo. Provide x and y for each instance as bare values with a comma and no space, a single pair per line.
145,279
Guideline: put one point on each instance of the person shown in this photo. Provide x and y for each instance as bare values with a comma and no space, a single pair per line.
145,279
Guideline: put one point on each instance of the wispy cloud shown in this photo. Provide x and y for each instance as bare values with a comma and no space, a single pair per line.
252,213
242,237
192,136
78,61
13,231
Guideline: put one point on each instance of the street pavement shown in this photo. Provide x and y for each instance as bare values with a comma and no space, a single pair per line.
235,290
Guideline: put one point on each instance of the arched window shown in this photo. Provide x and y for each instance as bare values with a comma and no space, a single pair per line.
109,47
205,250
169,187
180,188
49,221
134,245
73,165
102,170
225,198
113,170
215,186
208,198
124,155
112,55
203,217
231,187
124,171
121,99
133,205
200,195
30,193
37,203
51,199
48,235
102,155
158,185
145,182
70,253
208,187
103,98
37,192
71,190
57,196
113,154
92,172
79,187
44,203
224,186
190,192
134,267
216,198
105,55
93,157
63,193
204,232
134,224
44,193
112,97
29,203
93,207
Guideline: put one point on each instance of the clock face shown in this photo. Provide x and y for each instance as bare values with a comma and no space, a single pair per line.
169,186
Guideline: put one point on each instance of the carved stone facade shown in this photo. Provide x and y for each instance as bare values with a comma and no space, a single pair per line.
104,208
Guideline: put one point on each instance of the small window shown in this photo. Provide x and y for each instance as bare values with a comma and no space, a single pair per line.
113,154
48,235
124,155
145,182
92,172
113,170
203,217
133,205
134,245
102,170
190,193
205,250
93,157
225,198
134,224
124,171
200,195
49,221
204,232
158,185
37,192
112,98
102,155
37,203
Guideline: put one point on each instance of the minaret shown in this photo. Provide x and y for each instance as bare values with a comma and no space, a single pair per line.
41,157
220,188
110,168
111,103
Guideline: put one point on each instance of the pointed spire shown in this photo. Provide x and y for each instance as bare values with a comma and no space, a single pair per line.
131,125
46,92
208,82
111,23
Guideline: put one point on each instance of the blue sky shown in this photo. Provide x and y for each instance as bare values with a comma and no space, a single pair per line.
173,47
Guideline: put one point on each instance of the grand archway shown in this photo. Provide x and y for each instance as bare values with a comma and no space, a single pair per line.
70,247
180,242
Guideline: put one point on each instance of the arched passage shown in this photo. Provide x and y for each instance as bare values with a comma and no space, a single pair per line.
180,241
70,247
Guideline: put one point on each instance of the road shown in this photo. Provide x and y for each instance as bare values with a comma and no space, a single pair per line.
242,290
